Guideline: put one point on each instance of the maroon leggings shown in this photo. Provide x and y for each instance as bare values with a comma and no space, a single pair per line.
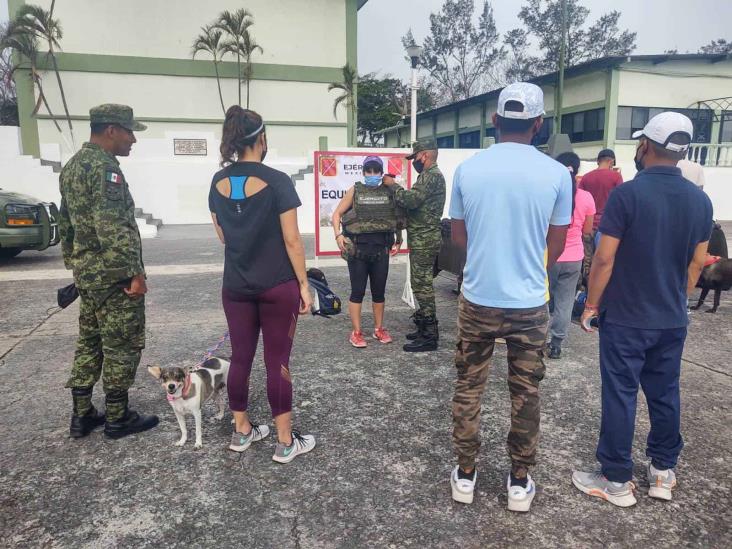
275,312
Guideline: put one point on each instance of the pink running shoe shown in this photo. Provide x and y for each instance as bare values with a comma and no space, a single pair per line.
357,340
382,335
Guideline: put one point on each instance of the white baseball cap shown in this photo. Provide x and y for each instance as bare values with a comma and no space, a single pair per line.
529,95
662,127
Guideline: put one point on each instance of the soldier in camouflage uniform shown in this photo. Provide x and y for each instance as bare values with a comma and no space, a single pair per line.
424,204
101,245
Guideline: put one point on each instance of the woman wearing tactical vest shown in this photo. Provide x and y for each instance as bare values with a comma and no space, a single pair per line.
368,229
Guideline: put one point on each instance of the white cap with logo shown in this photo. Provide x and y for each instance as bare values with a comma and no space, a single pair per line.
528,95
662,127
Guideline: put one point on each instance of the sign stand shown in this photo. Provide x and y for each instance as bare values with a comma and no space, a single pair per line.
407,294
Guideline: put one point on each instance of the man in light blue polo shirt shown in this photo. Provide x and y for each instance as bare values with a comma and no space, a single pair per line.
511,205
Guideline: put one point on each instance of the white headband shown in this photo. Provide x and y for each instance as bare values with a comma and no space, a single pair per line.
255,132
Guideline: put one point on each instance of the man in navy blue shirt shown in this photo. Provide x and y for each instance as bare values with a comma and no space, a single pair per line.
655,232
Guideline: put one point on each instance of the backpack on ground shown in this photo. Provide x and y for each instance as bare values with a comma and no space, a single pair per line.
326,303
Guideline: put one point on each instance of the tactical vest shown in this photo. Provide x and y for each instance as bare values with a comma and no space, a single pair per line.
374,211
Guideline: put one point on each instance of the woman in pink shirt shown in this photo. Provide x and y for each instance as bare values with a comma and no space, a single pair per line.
563,276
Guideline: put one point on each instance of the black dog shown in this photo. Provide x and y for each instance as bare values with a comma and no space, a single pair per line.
717,277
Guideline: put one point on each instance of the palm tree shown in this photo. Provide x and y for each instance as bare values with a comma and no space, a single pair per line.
210,41
235,25
44,26
25,45
248,46
347,97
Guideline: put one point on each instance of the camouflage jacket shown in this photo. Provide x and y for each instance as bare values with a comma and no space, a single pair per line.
100,240
424,203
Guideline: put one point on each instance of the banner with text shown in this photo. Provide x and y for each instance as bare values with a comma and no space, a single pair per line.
335,173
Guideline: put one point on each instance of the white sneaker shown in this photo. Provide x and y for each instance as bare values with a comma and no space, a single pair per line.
520,498
661,483
463,488
301,444
240,442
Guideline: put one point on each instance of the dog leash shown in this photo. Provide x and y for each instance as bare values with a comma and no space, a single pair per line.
211,350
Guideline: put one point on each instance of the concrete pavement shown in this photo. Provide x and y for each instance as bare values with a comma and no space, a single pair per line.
379,476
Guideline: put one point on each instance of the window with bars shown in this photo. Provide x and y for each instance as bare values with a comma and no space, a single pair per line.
632,119
584,126
446,142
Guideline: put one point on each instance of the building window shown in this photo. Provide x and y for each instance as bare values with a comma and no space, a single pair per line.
469,140
633,119
725,130
584,126
447,142
547,129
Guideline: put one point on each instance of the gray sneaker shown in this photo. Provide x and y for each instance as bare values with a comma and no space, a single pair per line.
595,484
661,485
240,442
301,444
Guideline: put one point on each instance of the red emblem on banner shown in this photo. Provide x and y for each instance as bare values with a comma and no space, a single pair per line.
328,166
395,166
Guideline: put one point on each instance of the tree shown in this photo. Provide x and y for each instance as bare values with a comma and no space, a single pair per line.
41,23
383,102
8,98
519,65
347,98
720,46
543,21
461,58
25,44
211,41
240,43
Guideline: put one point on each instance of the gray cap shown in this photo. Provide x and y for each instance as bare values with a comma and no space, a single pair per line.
111,113
527,94
427,144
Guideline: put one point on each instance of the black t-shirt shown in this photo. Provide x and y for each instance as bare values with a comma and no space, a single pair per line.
255,257
660,218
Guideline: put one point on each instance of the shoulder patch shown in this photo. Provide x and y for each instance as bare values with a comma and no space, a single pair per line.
113,184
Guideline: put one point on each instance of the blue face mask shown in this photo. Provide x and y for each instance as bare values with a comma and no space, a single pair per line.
372,180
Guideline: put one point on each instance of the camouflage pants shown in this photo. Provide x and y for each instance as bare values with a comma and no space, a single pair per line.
111,339
525,333
421,272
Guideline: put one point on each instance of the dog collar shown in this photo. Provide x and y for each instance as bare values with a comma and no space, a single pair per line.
186,389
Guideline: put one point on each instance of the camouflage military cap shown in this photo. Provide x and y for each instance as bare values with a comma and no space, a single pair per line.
428,144
111,113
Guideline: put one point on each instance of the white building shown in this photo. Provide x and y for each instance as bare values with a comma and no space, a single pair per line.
138,52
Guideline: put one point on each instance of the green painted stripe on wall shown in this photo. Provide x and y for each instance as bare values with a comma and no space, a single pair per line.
203,68
173,120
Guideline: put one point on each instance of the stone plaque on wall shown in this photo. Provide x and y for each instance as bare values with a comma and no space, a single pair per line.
190,147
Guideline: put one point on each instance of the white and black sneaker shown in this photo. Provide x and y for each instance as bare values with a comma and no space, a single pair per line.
240,442
301,444
520,497
462,487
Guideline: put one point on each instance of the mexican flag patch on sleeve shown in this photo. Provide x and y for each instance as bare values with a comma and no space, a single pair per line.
112,177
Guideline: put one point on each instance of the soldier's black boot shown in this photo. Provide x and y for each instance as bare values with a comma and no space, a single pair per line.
428,340
417,318
130,422
85,418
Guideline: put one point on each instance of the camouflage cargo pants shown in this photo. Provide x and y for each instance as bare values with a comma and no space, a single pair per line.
421,272
525,333
111,339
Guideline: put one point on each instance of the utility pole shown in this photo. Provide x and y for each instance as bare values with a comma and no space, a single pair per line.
560,86
414,52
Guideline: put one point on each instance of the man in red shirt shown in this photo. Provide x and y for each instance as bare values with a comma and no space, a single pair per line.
600,182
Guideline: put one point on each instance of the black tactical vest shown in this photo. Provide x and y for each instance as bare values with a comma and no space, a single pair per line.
374,211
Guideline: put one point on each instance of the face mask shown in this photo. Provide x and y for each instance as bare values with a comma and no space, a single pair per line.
418,165
372,180
264,148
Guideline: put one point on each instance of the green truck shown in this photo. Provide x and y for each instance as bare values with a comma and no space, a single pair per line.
26,224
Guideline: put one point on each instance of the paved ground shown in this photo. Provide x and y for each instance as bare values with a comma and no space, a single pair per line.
379,476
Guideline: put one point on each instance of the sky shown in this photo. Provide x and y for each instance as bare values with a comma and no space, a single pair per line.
661,25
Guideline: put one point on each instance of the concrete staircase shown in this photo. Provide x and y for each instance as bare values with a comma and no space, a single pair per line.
300,175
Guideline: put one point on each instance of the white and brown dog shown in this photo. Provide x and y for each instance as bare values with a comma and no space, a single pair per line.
188,390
